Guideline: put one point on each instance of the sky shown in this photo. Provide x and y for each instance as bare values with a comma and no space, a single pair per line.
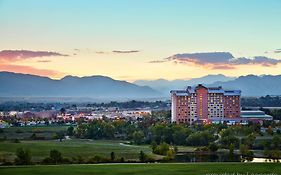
132,40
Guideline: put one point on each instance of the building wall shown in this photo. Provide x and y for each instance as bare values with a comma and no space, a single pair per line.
202,102
215,105
174,107
182,109
192,107
232,106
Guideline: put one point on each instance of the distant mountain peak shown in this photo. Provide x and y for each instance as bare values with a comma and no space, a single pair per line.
22,85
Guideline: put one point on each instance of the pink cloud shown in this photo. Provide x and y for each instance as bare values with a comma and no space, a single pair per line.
30,70
15,55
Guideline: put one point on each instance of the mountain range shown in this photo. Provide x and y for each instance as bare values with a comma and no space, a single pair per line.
165,86
252,85
102,87
98,87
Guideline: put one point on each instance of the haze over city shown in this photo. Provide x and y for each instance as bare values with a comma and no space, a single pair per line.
133,40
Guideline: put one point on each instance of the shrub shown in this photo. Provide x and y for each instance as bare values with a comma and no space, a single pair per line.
112,156
55,156
16,141
142,156
170,154
162,149
122,160
23,157
19,131
47,161
98,159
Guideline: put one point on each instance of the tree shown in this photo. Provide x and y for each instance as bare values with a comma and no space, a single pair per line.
276,154
70,131
226,141
202,138
176,149
55,156
62,111
269,130
81,131
23,157
112,156
276,140
213,147
142,156
170,154
59,135
246,153
180,134
153,146
243,149
249,140
231,151
138,137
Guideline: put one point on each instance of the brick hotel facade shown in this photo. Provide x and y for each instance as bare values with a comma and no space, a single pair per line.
202,104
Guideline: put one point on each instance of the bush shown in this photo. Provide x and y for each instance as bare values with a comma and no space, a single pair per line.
3,138
98,159
19,131
16,141
112,156
170,154
66,160
142,156
122,160
23,157
47,161
161,149
55,156
59,135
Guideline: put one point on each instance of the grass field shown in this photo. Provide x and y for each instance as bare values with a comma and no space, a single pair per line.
149,169
25,132
74,148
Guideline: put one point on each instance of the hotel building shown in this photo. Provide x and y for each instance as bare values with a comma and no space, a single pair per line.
205,104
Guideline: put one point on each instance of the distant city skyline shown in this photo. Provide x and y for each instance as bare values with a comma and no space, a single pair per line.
132,40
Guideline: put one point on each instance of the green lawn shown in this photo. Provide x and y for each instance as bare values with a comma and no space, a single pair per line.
73,148
25,132
149,169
